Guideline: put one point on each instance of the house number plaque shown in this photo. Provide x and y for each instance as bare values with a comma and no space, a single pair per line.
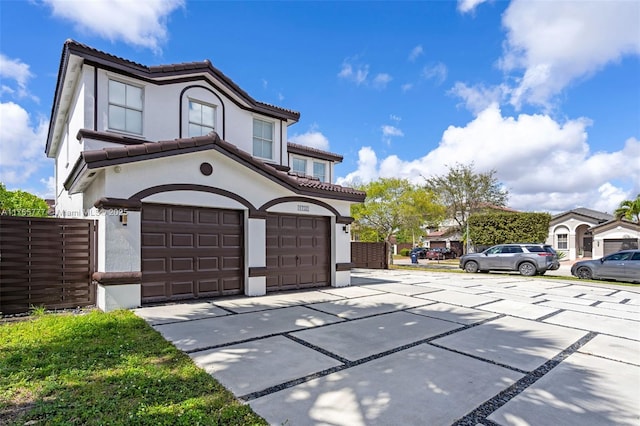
303,208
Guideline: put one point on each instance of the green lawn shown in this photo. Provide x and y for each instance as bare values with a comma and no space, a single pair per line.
109,369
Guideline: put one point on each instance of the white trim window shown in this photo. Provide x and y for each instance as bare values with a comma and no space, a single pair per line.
320,171
563,241
202,119
299,165
262,139
125,107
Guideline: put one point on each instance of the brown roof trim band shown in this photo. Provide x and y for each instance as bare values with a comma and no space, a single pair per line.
118,203
295,148
344,266
192,187
109,137
258,271
117,278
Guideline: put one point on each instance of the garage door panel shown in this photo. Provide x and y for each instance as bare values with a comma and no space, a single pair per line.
230,240
182,265
154,215
208,287
182,215
154,264
231,219
208,217
208,264
230,284
154,290
155,240
229,262
208,240
195,252
181,240
297,252
181,288
612,245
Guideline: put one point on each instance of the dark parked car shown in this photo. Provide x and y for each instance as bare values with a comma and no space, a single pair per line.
622,266
445,253
529,259
420,251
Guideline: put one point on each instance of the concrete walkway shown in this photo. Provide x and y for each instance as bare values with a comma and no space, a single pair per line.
422,348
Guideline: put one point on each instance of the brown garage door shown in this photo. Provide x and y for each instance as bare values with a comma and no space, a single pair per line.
191,252
614,245
297,252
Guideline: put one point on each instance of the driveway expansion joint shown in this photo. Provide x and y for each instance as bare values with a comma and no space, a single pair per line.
480,414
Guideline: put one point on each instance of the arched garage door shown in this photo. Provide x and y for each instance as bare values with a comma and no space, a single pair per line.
190,252
613,245
298,252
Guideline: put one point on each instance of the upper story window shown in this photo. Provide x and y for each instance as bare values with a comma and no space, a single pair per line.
320,171
201,119
125,107
262,139
299,165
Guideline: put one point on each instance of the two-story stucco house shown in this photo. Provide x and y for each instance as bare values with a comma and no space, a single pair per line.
195,188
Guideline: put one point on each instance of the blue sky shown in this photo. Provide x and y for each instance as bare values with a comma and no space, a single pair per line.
547,93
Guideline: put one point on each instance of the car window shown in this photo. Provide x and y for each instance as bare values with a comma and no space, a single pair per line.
494,250
618,256
636,256
536,249
512,249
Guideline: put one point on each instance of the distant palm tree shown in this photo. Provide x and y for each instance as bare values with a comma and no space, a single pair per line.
629,209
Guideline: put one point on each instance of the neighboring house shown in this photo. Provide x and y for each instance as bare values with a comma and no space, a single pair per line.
196,191
450,235
584,232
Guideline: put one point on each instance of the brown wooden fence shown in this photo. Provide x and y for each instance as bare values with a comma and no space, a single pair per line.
369,255
46,262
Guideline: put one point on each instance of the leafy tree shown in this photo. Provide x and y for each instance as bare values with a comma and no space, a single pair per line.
463,191
394,205
629,209
21,203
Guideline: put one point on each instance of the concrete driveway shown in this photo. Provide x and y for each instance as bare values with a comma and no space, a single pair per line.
422,348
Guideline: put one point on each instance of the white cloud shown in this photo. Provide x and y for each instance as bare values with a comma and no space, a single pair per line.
21,144
556,42
313,139
406,87
356,73
466,6
415,53
546,165
436,72
367,168
479,97
395,118
388,130
381,80
15,69
50,185
140,23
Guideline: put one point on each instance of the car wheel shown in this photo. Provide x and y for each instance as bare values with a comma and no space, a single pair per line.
527,269
471,267
584,273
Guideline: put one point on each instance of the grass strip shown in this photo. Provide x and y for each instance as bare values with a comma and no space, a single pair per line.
107,369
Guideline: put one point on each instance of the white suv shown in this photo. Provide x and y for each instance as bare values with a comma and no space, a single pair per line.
529,259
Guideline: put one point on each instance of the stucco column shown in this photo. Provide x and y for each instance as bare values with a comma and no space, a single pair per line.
256,242
119,265
342,249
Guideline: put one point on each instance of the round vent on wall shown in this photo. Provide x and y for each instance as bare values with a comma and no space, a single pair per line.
206,169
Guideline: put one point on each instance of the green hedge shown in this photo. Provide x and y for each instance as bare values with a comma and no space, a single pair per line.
501,228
